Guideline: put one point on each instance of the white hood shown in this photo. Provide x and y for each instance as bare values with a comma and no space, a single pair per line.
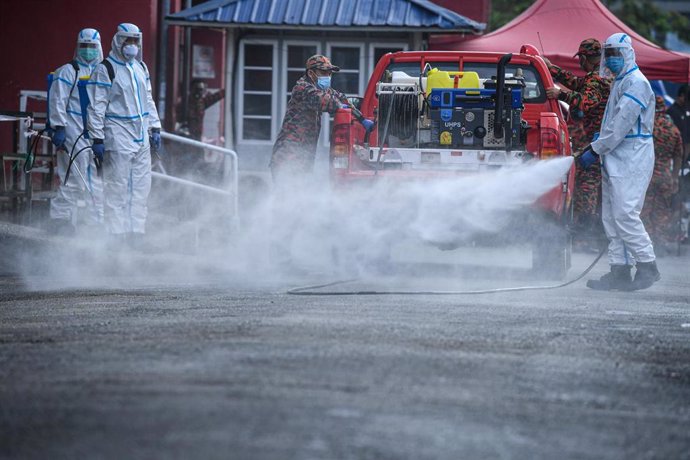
125,31
88,36
623,43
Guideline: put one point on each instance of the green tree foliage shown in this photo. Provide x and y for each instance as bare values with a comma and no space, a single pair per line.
643,16
504,11
648,20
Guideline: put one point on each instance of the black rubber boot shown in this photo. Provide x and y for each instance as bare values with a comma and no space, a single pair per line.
646,275
618,278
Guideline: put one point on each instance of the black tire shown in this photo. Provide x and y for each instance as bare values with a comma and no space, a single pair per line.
552,253
552,256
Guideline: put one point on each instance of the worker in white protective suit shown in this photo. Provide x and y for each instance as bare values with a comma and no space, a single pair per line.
123,123
83,189
626,148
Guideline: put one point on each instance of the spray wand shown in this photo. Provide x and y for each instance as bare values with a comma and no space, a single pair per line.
84,103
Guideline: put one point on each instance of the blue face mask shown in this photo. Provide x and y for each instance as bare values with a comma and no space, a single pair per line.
615,64
323,82
88,54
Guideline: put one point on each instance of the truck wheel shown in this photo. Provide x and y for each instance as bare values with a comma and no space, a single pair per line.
551,257
552,251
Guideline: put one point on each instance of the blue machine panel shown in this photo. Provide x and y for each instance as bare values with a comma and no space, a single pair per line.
449,98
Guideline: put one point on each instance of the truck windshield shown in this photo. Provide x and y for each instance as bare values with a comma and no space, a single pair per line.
534,89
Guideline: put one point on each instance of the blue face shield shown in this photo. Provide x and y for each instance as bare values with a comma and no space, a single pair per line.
323,82
615,64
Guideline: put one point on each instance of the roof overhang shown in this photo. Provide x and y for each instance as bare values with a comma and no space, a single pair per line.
327,15
373,29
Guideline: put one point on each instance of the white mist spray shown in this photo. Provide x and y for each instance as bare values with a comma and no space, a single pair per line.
313,227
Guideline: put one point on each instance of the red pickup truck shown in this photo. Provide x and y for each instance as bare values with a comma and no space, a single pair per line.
435,115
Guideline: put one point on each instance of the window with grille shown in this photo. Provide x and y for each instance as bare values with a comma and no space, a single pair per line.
257,91
297,55
348,58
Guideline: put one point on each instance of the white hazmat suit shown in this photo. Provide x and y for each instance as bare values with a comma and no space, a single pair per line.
626,147
122,113
84,186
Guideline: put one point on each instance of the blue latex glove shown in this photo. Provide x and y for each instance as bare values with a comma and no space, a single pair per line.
155,139
344,106
368,124
588,158
98,149
59,137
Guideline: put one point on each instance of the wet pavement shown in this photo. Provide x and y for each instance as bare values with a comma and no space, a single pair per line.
233,367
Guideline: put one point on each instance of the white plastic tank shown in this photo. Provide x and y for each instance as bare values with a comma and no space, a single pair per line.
403,78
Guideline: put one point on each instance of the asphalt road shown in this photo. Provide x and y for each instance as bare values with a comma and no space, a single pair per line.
235,368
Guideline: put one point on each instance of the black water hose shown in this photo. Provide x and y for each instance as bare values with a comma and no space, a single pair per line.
311,290
31,155
72,158
500,81
406,108
367,134
359,116
75,144
424,72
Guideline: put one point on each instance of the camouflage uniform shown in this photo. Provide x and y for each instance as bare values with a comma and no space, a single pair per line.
293,156
295,147
196,107
587,100
680,114
658,213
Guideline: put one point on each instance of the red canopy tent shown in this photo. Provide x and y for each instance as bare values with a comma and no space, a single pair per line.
562,25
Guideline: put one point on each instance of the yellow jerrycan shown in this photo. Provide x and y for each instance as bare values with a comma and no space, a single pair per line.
442,79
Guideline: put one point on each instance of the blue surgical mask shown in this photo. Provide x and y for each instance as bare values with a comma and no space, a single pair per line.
323,82
88,54
615,64
130,51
